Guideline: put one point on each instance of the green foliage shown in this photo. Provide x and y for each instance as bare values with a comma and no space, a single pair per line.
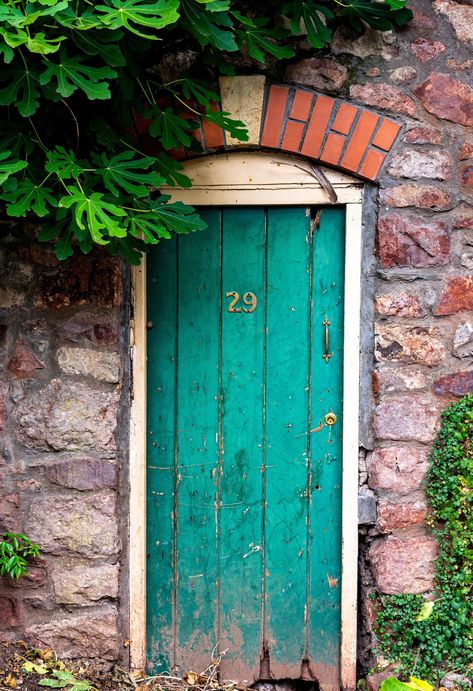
62,679
429,638
87,126
15,551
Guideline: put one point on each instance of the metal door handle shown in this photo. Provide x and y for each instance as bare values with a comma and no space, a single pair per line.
327,355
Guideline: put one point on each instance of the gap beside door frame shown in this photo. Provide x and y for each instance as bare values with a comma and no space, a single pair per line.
257,179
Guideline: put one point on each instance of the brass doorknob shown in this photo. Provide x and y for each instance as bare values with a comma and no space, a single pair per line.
330,419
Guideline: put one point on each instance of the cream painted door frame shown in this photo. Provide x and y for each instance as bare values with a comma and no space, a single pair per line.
257,179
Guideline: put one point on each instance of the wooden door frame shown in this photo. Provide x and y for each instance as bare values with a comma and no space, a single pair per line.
257,179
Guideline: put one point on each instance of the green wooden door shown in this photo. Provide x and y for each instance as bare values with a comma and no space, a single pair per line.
244,475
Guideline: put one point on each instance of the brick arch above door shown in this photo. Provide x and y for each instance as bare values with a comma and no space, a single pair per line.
290,119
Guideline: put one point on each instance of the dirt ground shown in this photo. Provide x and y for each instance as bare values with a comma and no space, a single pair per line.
23,668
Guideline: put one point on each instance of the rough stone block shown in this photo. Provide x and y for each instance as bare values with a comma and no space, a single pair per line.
447,98
419,196
99,364
402,304
459,15
412,241
82,281
457,295
398,379
319,73
415,164
9,612
384,97
410,344
82,584
407,418
98,329
82,473
404,565
463,341
425,49
90,635
23,362
84,525
398,469
395,515
366,510
70,417
457,384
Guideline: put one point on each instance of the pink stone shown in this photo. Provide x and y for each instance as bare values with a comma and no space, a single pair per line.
460,17
4,391
89,635
397,469
423,135
447,98
402,304
466,150
85,525
420,196
411,344
82,473
407,418
396,379
412,241
456,296
415,164
83,281
404,565
9,612
102,330
424,49
463,217
319,73
403,75
467,176
457,384
81,583
23,362
385,97
395,515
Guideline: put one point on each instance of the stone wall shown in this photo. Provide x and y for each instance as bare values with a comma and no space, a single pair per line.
422,274
64,389
62,373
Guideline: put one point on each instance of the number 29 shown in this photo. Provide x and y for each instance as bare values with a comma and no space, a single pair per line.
249,299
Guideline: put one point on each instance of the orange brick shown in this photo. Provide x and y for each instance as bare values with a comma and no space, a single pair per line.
386,134
359,141
344,118
318,124
275,112
292,136
301,105
213,135
333,148
372,163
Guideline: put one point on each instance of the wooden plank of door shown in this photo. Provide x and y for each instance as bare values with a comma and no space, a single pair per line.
197,421
162,345
326,450
287,425
242,441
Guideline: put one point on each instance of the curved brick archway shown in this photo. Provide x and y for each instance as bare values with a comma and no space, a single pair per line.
302,121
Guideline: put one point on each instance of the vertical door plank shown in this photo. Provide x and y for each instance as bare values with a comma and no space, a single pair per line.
162,344
327,382
197,419
242,441
287,392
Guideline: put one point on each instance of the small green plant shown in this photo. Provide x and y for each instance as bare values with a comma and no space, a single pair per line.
62,679
15,552
394,684
431,638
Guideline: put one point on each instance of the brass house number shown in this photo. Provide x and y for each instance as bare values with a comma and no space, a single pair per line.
248,299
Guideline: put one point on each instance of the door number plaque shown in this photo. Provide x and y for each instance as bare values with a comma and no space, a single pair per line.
248,299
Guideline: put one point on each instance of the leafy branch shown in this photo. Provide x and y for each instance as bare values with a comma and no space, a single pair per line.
87,126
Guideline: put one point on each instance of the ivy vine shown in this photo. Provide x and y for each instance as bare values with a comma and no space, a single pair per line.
428,640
